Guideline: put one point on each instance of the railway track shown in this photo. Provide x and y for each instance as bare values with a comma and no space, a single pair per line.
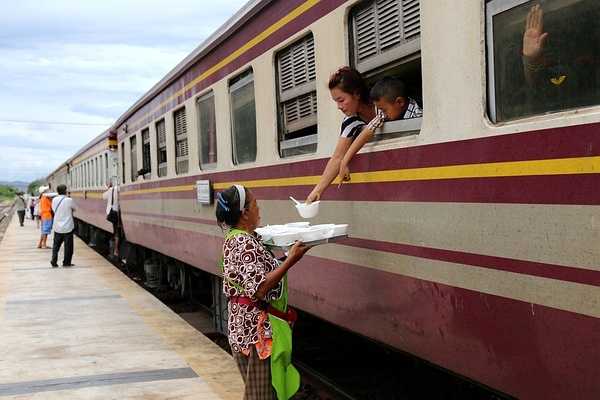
5,214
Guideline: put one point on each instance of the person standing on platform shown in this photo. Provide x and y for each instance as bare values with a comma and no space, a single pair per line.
45,216
31,206
255,284
36,211
64,225
112,213
20,203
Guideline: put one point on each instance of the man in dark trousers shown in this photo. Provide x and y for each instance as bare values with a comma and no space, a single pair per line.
64,225
20,203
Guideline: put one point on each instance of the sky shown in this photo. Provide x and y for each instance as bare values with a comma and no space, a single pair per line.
70,68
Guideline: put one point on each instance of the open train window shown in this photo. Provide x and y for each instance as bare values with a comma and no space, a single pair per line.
543,56
181,142
161,147
243,118
207,131
386,42
297,98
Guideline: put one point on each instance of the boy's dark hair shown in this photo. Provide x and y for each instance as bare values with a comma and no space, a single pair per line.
389,88
228,207
350,81
61,189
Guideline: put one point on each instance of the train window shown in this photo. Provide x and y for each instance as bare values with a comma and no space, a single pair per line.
386,42
97,169
123,162
181,142
243,118
297,98
133,155
207,131
146,160
106,172
543,56
161,148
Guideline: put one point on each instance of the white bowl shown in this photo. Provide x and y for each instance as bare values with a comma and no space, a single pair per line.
308,210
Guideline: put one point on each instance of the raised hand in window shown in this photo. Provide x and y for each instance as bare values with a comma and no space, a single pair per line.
534,36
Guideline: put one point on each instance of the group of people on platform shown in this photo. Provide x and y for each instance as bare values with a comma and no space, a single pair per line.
54,212
254,279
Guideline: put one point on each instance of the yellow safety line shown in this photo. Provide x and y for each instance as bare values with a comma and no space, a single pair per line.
236,54
562,166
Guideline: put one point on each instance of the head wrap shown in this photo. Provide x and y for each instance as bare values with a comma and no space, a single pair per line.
242,193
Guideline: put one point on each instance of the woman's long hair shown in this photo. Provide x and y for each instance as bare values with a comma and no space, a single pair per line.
350,81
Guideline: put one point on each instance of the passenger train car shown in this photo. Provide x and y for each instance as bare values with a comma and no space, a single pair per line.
475,230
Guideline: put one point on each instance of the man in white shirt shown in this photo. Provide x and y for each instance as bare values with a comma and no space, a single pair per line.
64,225
112,204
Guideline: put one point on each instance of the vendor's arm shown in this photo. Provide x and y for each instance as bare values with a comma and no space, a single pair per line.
273,277
331,169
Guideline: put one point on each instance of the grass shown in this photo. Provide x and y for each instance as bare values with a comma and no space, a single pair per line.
7,193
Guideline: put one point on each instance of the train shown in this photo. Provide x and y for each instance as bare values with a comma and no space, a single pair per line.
474,230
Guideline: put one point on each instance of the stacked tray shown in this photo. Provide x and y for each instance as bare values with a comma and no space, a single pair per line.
283,236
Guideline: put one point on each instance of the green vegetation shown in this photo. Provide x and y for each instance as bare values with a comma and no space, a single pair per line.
7,193
33,186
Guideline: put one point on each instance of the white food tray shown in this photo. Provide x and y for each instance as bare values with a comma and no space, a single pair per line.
331,239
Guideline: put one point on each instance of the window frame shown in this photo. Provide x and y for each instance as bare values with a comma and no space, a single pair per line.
123,165
133,157
208,95
295,93
240,81
492,8
402,51
403,54
146,157
165,164
179,138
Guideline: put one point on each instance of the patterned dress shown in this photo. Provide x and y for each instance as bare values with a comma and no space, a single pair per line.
246,264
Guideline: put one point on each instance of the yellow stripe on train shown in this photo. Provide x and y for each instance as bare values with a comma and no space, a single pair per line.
562,166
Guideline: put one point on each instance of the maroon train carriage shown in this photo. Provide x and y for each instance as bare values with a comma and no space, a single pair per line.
474,230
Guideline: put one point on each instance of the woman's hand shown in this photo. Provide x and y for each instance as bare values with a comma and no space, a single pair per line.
313,196
344,174
297,251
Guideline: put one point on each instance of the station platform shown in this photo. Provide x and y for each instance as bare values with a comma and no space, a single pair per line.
89,332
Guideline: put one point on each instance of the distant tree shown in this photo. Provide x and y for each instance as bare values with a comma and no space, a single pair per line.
33,186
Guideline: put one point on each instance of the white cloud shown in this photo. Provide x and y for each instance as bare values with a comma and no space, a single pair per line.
86,62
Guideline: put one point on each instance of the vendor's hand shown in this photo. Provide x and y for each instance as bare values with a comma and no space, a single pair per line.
313,196
377,121
344,174
534,36
297,251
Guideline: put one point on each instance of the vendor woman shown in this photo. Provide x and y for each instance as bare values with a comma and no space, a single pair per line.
254,283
